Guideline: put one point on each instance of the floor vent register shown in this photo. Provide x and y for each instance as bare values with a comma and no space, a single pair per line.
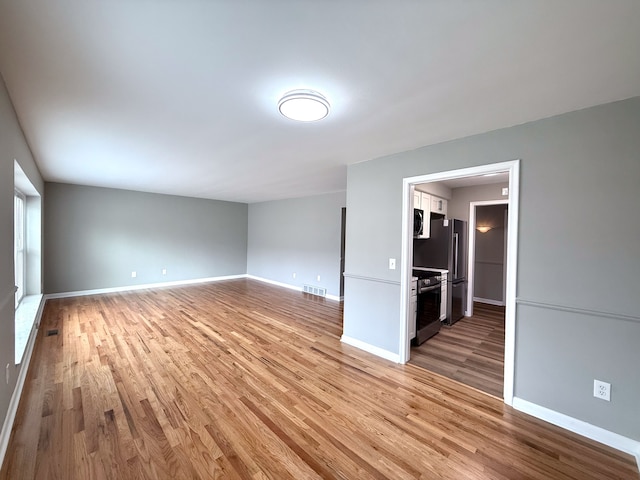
319,291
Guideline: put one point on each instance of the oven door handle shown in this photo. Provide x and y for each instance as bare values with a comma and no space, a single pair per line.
429,288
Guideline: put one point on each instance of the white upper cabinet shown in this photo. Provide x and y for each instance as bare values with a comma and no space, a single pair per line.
438,205
422,201
425,203
417,199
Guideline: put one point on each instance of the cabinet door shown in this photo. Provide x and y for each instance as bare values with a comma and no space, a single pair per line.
417,199
425,201
443,298
443,301
439,205
413,308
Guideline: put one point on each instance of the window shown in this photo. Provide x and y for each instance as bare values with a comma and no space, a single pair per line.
19,244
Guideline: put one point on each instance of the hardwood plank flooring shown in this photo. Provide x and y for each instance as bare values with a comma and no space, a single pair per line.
471,351
243,380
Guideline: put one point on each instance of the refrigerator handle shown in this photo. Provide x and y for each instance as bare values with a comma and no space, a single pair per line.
455,253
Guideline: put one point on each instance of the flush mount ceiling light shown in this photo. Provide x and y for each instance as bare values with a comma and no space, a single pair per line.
484,228
303,105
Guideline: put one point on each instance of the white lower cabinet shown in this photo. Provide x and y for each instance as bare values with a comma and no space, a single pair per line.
443,298
413,308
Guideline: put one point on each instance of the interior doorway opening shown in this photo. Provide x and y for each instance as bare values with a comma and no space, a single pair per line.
488,240
409,187
471,351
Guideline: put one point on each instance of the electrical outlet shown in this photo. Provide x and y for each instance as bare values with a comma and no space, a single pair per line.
318,278
164,271
392,264
505,191
134,274
602,390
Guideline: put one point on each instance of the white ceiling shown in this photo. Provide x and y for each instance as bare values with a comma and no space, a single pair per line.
180,97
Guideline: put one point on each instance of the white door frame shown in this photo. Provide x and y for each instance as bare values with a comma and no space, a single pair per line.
408,184
472,248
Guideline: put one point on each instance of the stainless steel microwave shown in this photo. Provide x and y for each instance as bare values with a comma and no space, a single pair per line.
418,222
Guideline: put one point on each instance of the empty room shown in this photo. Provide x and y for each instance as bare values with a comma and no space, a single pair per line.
319,240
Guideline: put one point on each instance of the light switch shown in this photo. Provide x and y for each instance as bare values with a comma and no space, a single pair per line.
392,264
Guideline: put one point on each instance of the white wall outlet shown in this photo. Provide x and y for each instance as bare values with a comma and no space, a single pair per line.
134,274
7,374
392,264
164,271
505,191
602,390
294,274
318,278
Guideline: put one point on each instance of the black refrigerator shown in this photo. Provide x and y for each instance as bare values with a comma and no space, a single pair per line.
447,249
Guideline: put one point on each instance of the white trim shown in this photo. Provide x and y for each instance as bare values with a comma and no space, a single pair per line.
614,440
380,352
513,167
22,257
488,301
7,426
274,282
99,291
580,311
511,283
372,279
406,269
291,287
38,317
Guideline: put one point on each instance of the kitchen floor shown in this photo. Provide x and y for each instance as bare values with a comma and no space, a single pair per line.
471,351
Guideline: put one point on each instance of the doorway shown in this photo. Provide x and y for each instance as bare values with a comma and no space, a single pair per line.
472,350
512,169
488,228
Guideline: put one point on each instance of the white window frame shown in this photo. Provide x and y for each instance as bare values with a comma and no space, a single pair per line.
20,245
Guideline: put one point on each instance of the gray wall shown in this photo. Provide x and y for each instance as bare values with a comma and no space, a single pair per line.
489,253
13,145
579,197
458,206
95,237
300,235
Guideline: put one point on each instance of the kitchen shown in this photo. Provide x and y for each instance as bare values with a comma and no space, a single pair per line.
457,302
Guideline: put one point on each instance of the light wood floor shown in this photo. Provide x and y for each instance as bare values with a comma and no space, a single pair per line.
241,379
471,351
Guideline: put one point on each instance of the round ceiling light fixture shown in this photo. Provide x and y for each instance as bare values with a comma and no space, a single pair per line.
303,105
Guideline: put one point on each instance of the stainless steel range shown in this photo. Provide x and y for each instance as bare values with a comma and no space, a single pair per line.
428,310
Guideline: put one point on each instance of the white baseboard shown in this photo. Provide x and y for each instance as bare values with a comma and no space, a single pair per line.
289,286
128,288
178,283
274,282
614,440
7,426
380,352
488,301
